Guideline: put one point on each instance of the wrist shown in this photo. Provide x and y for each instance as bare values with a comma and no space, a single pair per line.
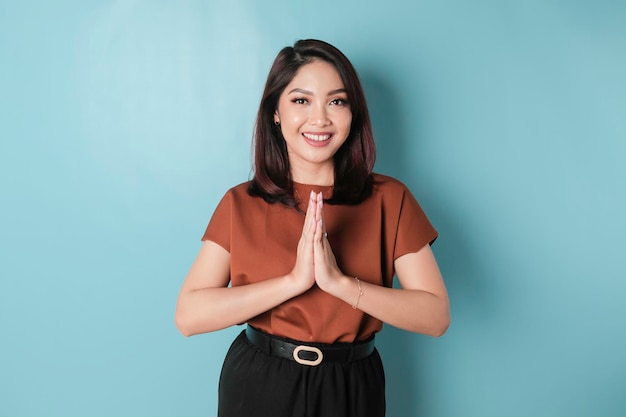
359,293
340,287
349,289
294,285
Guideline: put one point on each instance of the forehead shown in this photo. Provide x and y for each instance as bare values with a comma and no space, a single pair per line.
316,74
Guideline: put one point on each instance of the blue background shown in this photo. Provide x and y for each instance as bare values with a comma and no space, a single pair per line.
122,123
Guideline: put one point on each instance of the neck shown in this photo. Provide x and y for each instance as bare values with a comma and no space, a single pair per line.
314,174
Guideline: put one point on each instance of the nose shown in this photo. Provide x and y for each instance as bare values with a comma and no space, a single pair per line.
319,115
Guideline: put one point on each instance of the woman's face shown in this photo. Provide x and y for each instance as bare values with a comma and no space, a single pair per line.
314,116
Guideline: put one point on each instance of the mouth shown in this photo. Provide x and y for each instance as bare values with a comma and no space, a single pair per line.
317,139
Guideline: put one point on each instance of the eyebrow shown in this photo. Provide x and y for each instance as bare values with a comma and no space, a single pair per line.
307,92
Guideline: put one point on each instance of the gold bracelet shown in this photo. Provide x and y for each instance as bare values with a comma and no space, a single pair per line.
358,282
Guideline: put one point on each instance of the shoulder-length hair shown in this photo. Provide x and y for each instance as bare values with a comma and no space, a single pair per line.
354,160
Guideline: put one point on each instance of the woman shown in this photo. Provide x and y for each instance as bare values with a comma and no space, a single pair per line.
310,246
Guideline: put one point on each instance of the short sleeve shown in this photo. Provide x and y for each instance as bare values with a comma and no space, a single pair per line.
219,228
414,230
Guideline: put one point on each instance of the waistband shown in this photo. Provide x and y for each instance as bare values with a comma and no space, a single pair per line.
311,354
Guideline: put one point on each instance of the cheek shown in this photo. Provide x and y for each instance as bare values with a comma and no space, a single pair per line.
296,118
347,124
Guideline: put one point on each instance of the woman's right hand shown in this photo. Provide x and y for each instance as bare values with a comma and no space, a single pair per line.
207,303
303,273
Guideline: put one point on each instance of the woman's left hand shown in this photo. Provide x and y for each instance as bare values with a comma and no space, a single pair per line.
325,264
421,306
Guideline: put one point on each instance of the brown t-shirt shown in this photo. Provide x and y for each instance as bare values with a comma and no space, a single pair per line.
366,239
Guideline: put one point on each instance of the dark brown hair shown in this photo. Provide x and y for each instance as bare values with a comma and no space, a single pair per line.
354,160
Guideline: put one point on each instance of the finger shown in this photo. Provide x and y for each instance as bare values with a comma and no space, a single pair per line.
319,232
319,214
319,209
310,231
309,217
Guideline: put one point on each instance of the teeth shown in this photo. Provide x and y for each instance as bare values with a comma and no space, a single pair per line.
317,138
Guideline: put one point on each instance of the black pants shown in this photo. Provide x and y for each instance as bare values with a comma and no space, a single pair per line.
254,384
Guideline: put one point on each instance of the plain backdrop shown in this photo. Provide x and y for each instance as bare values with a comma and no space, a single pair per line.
122,124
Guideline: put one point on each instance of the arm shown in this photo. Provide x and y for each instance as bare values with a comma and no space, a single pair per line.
421,305
206,303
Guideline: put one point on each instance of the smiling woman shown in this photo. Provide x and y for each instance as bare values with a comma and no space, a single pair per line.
315,118
310,246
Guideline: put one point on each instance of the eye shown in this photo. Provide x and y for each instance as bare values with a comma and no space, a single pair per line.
339,102
299,100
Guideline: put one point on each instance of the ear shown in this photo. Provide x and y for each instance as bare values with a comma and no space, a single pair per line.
276,118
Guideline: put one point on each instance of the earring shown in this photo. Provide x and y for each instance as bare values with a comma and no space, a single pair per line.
276,123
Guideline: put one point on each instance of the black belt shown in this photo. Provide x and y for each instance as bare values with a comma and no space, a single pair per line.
309,354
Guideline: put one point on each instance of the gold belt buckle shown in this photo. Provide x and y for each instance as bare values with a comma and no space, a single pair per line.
313,349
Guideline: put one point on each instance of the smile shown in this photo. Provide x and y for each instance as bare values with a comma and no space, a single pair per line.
317,138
